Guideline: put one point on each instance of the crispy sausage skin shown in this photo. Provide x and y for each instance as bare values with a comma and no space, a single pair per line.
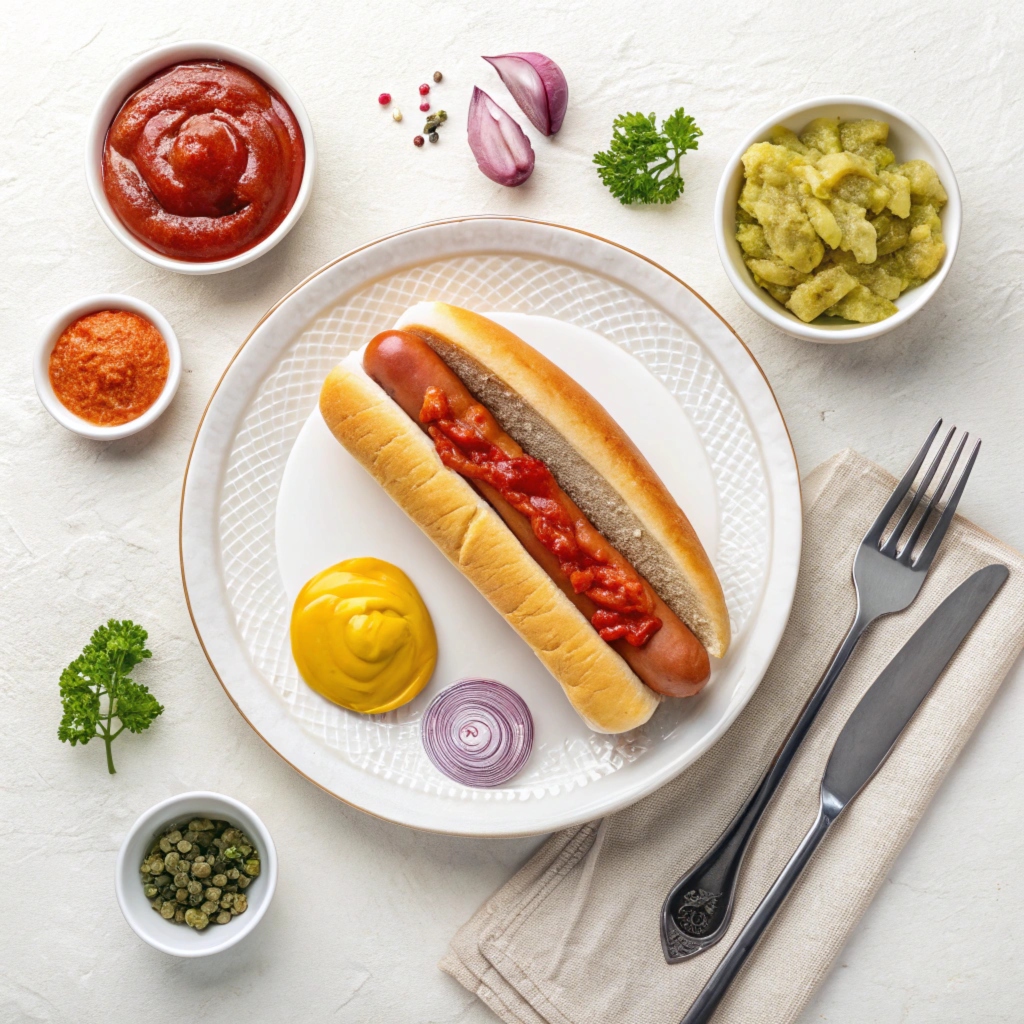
672,662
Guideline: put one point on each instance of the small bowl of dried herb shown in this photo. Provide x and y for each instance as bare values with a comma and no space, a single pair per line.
195,874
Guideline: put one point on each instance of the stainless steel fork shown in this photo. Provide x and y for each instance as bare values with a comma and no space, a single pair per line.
887,577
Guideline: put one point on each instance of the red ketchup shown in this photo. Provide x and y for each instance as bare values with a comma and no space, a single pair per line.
623,606
203,161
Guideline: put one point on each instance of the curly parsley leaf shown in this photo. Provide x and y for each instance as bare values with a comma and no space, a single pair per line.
96,688
641,164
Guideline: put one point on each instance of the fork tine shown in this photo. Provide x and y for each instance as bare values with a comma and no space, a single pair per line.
877,528
890,546
907,551
924,560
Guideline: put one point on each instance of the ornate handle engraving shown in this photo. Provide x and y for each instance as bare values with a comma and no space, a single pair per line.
696,912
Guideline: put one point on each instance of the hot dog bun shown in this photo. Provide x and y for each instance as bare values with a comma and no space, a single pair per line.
556,420
395,451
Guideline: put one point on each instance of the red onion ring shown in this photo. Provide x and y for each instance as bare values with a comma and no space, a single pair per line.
478,732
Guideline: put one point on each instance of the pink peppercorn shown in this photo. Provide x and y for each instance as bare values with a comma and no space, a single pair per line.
424,89
384,99
418,141
424,106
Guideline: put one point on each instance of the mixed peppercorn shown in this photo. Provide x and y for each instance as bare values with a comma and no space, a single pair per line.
434,121
197,876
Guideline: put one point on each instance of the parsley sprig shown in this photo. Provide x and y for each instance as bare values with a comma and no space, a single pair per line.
641,164
101,671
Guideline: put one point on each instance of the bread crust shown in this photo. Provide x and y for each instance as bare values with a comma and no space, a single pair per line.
391,447
693,590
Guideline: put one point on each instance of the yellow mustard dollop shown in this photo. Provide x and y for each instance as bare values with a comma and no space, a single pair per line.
362,636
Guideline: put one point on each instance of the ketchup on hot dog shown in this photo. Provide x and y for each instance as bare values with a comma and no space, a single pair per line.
624,606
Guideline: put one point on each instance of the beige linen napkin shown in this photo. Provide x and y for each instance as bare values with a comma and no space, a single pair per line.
573,937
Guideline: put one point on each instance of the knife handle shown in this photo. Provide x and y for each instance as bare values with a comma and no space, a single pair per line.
717,985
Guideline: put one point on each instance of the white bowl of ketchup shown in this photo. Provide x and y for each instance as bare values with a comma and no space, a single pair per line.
126,83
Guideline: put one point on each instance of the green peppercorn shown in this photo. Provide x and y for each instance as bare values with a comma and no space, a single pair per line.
196,919
194,877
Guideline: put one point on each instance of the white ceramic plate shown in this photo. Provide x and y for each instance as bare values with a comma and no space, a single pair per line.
270,498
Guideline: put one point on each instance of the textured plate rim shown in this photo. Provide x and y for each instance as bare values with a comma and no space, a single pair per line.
786,510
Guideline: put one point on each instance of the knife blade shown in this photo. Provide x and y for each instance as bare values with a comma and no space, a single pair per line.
863,746
891,700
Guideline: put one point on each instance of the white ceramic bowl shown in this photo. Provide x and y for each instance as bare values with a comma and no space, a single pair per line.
126,83
41,366
910,141
178,939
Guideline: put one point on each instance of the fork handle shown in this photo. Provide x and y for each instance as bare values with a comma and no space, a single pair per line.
717,871
711,995
785,754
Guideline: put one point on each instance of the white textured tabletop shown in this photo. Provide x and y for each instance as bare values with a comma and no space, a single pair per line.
88,531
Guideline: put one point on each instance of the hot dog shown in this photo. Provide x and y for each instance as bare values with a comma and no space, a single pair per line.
672,660
538,497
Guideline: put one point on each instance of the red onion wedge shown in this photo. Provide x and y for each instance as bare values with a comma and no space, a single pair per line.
478,732
537,85
502,150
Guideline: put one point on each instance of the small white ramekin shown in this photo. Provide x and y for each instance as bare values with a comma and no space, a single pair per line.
126,83
179,939
41,366
909,140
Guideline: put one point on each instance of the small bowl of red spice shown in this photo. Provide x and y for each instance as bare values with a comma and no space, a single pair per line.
200,157
107,366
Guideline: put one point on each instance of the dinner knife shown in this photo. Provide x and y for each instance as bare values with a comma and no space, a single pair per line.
862,748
